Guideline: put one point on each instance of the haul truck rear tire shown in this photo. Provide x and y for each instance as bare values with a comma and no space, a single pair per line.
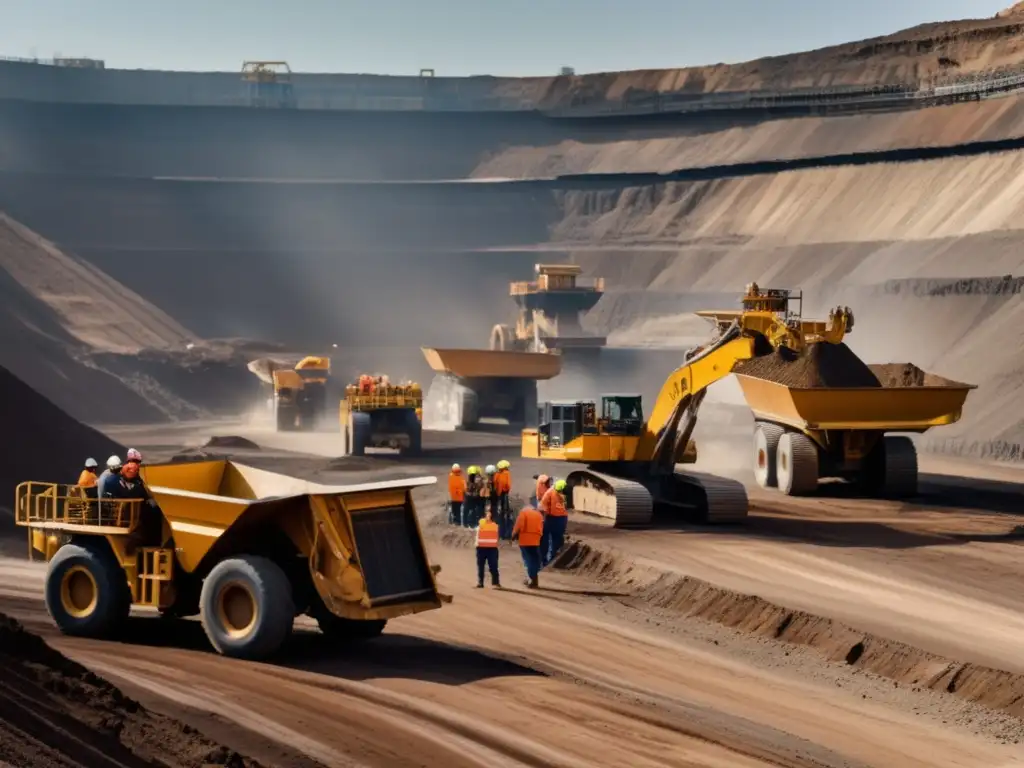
766,445
890,471
796,465
86,591
246,607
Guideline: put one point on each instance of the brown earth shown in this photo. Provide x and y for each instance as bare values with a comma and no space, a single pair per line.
58,714
709,648
819,365
908,375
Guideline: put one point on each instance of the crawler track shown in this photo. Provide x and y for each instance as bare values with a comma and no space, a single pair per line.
693,497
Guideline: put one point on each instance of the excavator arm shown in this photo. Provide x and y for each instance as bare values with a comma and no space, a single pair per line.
675,411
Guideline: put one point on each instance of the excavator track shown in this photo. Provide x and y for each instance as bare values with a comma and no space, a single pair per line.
693,497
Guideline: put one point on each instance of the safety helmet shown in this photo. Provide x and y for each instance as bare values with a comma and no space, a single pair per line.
456,467
542,478
503,464
90,463
113,462
560,485
490,469
133,455
474,470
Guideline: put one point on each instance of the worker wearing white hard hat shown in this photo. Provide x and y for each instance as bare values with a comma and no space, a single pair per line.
109,477
87,477
456,495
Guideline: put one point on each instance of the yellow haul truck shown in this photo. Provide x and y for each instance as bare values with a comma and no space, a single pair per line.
377,414
801,434
244,549
300,394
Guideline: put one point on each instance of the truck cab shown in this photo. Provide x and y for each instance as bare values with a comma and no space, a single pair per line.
562,421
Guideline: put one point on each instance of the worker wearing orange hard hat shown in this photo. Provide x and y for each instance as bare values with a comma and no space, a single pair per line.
456,494
529,529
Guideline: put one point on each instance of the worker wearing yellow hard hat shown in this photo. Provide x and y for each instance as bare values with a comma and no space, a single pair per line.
473,505
503,487
556,517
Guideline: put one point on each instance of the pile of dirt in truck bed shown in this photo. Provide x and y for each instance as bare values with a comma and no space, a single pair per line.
59,714
820,365
908,375
43,442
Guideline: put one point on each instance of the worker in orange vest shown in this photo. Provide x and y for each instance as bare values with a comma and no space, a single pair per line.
529,528
556,518
487,550
503,487
456,495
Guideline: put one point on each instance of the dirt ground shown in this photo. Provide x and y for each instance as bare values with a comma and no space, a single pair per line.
831,631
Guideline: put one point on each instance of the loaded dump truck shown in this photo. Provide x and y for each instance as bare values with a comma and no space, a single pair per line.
813,421
378,414
299,394
244,549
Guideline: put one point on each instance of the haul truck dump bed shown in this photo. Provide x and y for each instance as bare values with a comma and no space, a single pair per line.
245,549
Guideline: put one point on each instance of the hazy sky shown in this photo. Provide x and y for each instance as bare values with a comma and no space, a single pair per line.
455,37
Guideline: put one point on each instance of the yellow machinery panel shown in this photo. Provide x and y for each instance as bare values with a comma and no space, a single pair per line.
486,363
891,409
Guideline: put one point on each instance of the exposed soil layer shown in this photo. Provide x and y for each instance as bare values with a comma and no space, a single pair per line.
57,714
820,365
899,662
44,442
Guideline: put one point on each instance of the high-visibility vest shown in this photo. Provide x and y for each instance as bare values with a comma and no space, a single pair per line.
553,504
87,479
503,481
487,534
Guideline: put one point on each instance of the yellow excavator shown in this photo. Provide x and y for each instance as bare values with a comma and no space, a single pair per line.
631,463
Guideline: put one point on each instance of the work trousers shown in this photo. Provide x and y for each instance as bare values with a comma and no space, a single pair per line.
455,513
504,518
531,559
487,556
553,538
472,511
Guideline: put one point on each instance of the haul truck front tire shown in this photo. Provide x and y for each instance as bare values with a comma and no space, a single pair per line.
246,607
86,591
766,447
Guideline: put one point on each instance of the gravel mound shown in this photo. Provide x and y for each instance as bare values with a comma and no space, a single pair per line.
820,365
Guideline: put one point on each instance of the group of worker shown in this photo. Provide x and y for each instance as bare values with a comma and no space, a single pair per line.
481,501
120,481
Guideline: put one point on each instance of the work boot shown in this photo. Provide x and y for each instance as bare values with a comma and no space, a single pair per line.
480,585
532,583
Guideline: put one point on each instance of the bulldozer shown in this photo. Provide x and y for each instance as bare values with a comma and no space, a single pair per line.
244,549
299,393
801,435
378,414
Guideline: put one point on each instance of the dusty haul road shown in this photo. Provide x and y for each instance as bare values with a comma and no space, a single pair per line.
608,665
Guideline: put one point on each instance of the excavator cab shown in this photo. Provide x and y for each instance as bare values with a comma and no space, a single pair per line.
562,421
621,415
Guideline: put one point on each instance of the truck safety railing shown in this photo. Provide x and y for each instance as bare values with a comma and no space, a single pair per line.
56,505
364,402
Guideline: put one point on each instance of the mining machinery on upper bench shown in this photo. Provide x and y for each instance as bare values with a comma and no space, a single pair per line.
550,308
803,433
